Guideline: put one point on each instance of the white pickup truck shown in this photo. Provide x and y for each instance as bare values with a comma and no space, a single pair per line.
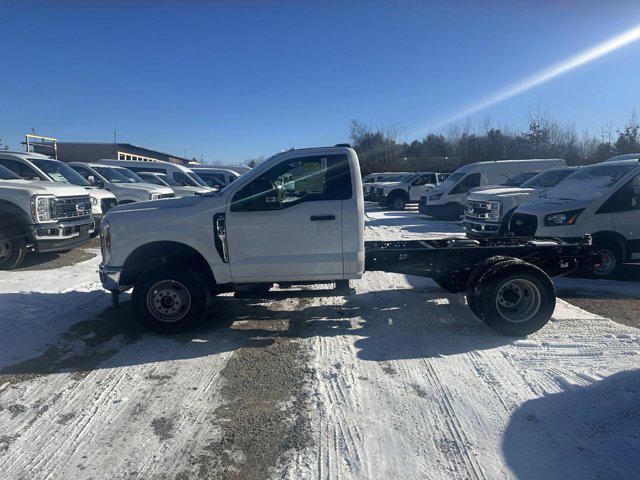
488,212
396,195
40,217
298,218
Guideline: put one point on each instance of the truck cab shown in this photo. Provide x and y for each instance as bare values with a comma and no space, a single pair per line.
125,189
409,189
488,212
38,167
296,217
447,201
601,200
40,217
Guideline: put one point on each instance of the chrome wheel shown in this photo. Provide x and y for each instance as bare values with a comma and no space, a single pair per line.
168,301
5,248
518,300
608,264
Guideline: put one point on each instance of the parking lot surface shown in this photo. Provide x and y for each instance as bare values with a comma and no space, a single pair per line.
398,380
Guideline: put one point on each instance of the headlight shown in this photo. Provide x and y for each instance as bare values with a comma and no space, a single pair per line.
562,218
435,196
94,201
42,208
494,211
105,238
154,196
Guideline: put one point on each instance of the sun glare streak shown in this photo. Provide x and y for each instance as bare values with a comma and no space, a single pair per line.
548,74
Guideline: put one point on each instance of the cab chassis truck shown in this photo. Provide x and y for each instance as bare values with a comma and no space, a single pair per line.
298,218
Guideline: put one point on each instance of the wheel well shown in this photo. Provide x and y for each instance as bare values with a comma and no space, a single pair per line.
157,253
14,217
399,193
614,236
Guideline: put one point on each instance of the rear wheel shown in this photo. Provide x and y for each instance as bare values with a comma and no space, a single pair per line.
13,249
515,298
476,273
170,299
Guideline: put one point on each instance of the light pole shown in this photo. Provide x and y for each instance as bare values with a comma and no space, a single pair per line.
115,145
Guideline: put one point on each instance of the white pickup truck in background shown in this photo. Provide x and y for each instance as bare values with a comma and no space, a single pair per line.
298,217
40,217
396,195
488,211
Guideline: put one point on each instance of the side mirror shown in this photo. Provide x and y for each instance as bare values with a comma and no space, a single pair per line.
91,179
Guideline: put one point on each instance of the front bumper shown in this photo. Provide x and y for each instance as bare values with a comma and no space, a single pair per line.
110,277
478,228
63,235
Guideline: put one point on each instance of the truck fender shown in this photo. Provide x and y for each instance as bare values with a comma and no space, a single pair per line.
15,217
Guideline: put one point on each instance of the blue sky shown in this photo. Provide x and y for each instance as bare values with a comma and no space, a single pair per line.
233,80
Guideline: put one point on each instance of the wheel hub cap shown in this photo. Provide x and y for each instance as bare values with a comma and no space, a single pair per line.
518,300
168,301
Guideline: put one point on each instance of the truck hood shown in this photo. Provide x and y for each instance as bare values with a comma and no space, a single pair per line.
146,187
99,193
552,205
156,205
501,193
45,188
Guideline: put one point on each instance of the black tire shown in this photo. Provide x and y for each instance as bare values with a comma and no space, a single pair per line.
515,298
474,276
397,202
184,292
613,257
448,284
13,249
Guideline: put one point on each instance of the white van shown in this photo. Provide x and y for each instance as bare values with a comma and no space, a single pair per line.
178,173
448,199
602,200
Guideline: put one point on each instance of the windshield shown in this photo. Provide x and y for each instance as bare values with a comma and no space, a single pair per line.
589,182
6,174
125,172
550,178
520,179
198,181
59,172
151,178
112,175
169,181
452,180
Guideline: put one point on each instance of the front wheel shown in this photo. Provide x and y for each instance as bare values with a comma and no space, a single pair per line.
515,298
611,258
13,249
170,299
397,203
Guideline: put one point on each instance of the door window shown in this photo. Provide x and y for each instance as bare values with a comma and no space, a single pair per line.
424,179
20,169
625,199
295,181
467,183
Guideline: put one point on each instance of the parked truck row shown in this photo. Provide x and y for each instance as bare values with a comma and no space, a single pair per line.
50,206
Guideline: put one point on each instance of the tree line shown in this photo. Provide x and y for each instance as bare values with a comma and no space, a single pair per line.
379,149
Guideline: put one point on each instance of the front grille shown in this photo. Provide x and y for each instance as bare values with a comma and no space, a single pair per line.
380,192
72,207
166,195
107,204
479,210
523,225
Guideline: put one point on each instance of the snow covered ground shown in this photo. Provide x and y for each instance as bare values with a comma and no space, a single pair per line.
399,380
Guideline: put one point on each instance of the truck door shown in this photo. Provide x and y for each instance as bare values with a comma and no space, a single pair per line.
420,185
286,223
624,207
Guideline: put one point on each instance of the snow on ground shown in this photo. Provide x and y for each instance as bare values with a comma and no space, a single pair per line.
405,382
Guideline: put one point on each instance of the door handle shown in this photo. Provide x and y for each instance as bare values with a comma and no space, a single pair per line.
320,218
